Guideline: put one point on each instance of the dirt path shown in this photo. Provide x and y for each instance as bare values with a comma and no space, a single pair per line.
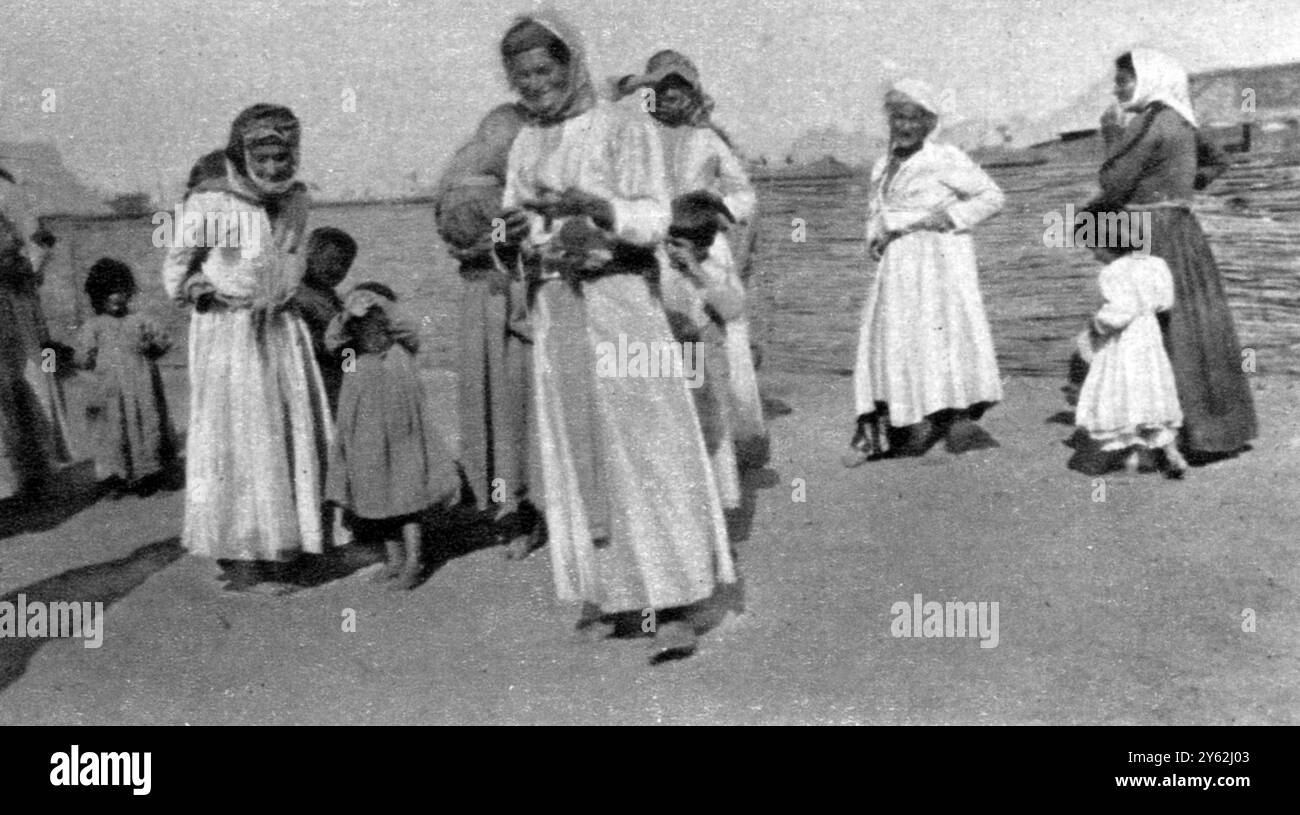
1127,610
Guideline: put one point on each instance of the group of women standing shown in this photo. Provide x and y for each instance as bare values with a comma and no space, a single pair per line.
633,502
925,363
564,210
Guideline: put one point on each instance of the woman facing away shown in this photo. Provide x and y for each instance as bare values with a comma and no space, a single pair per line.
259,426
925,352
1154,167
633,515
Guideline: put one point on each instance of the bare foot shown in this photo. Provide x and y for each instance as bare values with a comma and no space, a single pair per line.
408,579
1133,461
1175,464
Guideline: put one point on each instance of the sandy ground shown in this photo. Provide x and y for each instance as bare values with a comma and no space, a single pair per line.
1122,611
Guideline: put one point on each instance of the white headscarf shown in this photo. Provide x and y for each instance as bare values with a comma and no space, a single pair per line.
1160,79
919,93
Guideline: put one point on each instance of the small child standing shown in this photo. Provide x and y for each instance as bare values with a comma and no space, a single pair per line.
127,409
330,253
1129,401
388,466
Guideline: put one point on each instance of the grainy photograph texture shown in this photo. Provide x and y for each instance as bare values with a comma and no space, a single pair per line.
705,362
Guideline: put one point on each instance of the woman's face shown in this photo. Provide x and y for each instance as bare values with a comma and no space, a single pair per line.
271,162
538,78
909,124
1125,85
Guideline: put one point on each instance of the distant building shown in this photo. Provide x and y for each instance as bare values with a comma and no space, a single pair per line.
1257,109
1240,109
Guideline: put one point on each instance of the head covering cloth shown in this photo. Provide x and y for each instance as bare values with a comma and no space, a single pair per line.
662,65
257,126
545,29
1160,79
915,92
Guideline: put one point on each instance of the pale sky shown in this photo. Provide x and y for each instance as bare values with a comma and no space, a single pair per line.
142,88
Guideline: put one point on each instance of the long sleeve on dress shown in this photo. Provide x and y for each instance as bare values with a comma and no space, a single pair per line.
642,210
733,182
979,197
179,267
631,175
938,178
1123,171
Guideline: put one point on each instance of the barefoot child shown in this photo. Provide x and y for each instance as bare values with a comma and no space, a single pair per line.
330,253
127,410
387,465
1129,401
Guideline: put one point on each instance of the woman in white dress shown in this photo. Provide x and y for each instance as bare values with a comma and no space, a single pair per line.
703,168
700,158
259,422
925,352
633,515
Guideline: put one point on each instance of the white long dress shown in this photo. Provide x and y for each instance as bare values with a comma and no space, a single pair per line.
259,427
632,511
925,343
697,159
1130,396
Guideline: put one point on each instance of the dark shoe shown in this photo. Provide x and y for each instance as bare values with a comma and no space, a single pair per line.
524,531
674,639
964,436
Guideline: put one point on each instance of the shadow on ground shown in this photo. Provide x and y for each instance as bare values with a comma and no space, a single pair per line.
70,492
99,583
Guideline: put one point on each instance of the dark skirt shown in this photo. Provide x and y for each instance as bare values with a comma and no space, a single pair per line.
1201,340
494,388
388,460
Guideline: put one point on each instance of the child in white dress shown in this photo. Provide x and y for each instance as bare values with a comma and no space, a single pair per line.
1129,401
